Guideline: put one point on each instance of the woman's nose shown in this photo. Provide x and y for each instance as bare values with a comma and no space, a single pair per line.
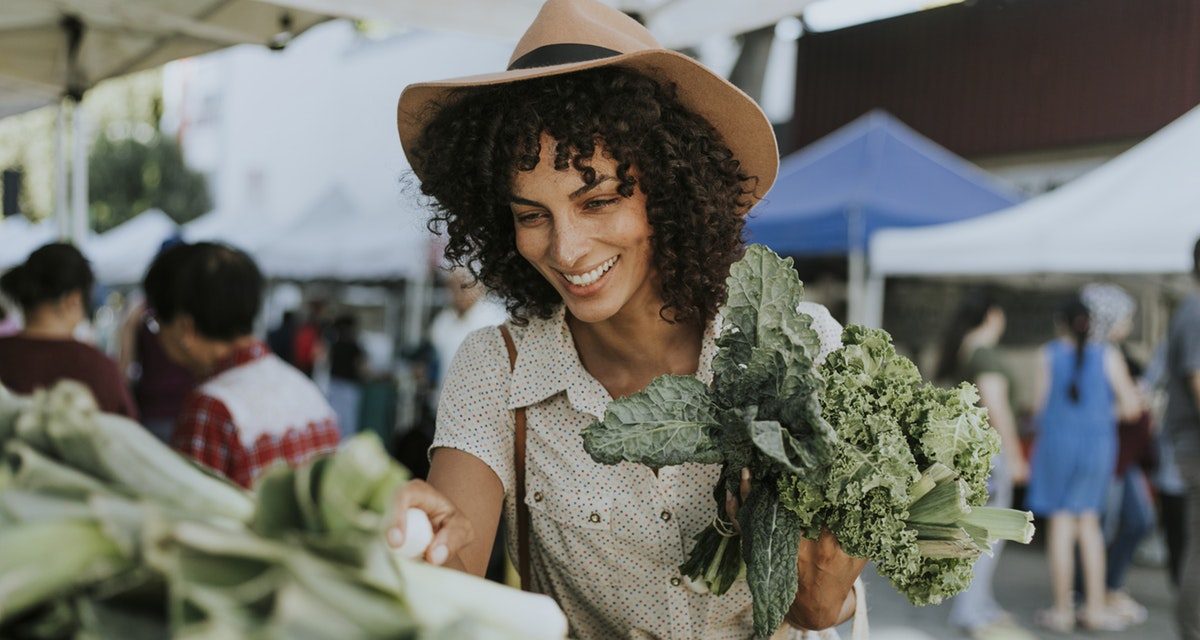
569,243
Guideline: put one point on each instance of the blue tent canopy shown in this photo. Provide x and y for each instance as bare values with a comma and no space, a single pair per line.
872,173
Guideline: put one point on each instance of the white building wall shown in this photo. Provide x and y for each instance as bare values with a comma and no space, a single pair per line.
274,131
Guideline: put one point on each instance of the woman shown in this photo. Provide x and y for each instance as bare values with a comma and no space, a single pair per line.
599,186
1129,515
1073,463
52,288
970,354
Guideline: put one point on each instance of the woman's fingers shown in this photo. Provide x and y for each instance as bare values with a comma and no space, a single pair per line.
452,535
452,530
733,503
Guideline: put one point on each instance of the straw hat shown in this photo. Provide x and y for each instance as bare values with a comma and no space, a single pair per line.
573,35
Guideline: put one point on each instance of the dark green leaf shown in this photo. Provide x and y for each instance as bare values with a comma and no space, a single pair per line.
771,537
671,422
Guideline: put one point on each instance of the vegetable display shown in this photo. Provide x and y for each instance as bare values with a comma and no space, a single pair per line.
858,444
107,533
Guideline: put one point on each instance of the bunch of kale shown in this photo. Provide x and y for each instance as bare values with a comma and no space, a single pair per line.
893,467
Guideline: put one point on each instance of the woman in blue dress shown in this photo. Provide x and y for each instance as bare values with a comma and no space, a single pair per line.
1082,388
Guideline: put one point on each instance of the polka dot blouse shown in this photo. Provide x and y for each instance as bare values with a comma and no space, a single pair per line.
605,541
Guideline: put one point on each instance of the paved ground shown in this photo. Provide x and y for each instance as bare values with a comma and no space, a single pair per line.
1022,586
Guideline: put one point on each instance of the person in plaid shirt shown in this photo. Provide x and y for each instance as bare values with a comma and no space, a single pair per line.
250,408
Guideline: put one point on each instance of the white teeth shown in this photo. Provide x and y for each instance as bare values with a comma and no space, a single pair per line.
593,275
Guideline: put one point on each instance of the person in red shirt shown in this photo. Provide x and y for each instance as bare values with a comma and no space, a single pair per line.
250,408
52,288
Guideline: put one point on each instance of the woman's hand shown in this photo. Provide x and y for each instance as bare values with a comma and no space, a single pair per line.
452,531
825,573
826,576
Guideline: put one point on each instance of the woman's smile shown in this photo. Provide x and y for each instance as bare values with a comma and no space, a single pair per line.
589,282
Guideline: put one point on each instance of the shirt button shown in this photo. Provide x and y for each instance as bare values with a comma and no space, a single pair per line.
537,496
675,582
665,515
595,517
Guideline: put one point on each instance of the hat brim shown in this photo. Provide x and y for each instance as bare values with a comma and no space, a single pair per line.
743,126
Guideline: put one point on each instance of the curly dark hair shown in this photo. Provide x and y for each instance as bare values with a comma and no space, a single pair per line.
696,191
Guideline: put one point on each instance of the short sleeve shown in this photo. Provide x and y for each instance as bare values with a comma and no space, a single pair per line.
472,413
828,329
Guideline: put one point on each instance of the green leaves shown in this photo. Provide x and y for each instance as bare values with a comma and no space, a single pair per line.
769,547
777,444
764,292
671,422
839,446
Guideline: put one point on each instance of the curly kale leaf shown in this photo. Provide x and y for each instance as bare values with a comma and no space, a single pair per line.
954,431
889,425
671,422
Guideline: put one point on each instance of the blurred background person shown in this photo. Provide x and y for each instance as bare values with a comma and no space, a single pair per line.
309,345
1182,423
159,384
53,287
250,408
1129,514
468,310
1073,463
970,354
282,339
347,368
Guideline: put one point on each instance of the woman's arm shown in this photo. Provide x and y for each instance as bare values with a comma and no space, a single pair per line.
993,390
1129,402
1041,381
463,499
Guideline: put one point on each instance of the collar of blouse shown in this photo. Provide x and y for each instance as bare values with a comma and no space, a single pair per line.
547,364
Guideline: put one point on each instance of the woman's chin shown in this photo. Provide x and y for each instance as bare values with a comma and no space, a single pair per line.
591,311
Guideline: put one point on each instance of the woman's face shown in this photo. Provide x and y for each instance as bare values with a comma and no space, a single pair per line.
591,243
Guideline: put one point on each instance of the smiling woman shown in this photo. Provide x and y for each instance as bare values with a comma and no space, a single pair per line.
605,145
600,187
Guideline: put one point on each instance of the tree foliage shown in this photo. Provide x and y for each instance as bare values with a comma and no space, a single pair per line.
128,176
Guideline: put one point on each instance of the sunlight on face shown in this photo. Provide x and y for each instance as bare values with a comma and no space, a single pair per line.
591,243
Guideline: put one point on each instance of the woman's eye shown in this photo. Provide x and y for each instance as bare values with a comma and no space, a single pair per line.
530,217
600,203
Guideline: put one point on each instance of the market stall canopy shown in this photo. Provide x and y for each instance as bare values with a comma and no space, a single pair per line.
19,237
676,23
121,255
871,174
236,228
51,48
336,240
1138,213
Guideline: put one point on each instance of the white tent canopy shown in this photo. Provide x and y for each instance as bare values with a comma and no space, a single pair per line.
48,47
1137,214
236,228
676,23
122,254
334,239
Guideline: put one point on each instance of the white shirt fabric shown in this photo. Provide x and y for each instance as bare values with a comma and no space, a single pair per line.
606,542
449,329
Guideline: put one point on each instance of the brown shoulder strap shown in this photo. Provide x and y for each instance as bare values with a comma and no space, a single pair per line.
519,467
